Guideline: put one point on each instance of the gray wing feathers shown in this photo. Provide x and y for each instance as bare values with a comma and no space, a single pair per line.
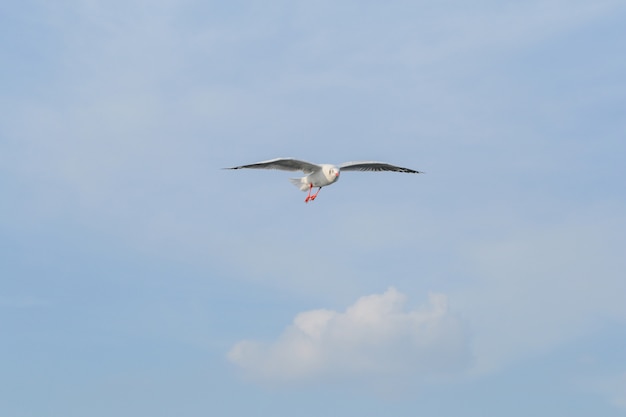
285,164
375,166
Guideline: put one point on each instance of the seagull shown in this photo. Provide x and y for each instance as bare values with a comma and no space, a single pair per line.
321,175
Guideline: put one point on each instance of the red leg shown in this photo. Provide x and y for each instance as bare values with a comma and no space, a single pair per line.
315,195
308,197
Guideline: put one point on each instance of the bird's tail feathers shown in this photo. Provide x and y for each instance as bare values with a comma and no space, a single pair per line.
300,183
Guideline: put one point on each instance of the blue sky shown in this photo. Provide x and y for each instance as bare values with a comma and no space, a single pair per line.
138,278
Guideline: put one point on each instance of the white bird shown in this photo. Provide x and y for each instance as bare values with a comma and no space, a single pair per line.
321,175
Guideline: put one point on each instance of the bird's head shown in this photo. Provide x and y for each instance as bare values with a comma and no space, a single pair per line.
331,172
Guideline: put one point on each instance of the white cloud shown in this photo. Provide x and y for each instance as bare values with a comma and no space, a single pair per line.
374,336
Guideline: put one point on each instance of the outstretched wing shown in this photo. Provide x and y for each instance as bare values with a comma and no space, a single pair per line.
375,166
285,164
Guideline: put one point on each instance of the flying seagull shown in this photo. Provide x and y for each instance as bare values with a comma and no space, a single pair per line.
321,175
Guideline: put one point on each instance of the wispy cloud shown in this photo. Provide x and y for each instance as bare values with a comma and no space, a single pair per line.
374,336
611,387
21,302
541,287
618,391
